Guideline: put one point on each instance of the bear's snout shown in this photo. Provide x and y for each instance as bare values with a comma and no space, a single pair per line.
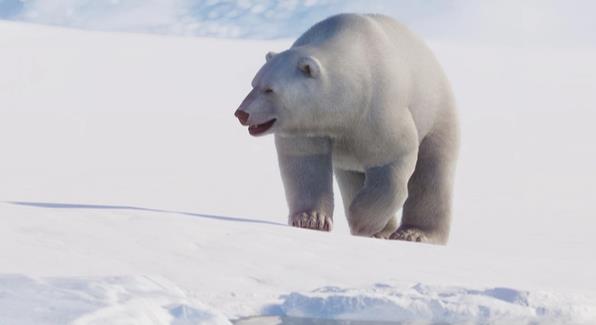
242,116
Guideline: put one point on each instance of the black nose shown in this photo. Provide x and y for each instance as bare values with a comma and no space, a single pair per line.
242,116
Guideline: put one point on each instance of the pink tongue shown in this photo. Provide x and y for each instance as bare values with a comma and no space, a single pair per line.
256,129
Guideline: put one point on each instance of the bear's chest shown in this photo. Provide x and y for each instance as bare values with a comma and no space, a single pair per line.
346,155
359,153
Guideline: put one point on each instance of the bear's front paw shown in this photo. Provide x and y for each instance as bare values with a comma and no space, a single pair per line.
311,220
410,234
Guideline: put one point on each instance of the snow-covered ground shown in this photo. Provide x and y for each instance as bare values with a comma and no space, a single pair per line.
130,194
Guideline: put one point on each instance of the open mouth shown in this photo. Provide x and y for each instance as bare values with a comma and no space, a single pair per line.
260,128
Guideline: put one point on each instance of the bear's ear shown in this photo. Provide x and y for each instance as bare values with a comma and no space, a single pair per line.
309,66
270,55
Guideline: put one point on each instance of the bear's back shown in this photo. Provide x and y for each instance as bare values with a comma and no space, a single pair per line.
430,89
332,28
358,27
399,67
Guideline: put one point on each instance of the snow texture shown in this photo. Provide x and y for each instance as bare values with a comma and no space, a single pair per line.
433,304
111,300
527,22
239,18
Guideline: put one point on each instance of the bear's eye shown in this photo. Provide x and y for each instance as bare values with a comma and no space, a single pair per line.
268,91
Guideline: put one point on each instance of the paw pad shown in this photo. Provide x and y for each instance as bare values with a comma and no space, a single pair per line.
409,234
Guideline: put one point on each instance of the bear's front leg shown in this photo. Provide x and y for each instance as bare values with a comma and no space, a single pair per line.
306,171
372,211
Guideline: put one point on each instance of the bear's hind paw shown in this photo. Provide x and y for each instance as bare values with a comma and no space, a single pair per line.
410,234
311,220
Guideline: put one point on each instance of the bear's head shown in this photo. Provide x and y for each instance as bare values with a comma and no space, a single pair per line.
288,96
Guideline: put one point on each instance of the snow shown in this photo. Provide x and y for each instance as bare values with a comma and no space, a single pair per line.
130,194
235,18
433,304
506,21
95,258
108,300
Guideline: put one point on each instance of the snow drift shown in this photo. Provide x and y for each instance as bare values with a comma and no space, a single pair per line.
421,303
112,300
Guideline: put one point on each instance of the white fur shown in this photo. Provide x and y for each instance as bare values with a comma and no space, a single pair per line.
362,95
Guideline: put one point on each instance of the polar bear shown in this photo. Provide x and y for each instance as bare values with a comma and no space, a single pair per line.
361,97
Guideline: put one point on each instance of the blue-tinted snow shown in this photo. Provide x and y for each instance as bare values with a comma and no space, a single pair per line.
525,23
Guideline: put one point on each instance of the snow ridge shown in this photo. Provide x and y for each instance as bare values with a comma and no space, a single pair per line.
240,18
425,303
104,300
532,21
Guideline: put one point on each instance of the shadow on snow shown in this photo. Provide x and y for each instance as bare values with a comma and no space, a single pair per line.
125,207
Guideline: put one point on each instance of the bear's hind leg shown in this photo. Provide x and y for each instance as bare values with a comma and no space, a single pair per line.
427,210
